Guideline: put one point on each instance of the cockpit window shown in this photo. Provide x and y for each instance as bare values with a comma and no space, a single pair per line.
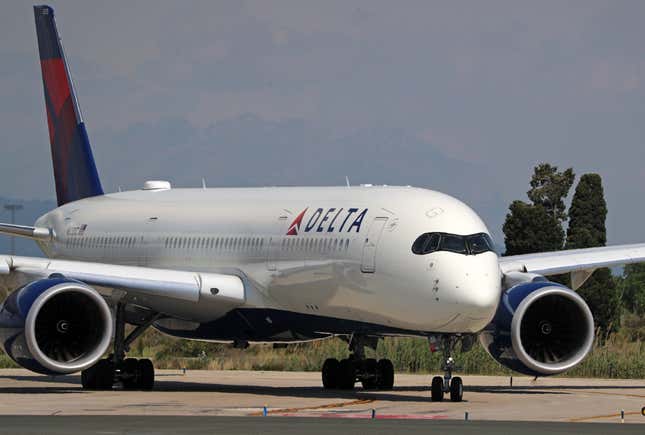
479,243
467,245
453,243
428,242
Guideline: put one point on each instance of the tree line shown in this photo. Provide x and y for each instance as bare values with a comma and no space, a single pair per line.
539,226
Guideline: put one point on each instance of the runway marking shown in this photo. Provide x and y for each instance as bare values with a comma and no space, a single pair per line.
368,416
311,408
600,417
601,393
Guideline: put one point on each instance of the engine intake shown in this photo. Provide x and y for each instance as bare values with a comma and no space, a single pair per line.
55,326
540,328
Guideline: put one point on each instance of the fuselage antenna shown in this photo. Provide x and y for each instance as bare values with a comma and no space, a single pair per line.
347,180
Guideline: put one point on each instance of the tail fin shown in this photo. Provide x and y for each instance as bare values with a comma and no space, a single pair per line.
74,168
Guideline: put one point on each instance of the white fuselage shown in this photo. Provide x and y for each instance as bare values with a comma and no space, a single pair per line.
348,256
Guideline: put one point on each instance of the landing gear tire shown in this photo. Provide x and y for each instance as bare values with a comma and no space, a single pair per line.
370,380
130,371
146,374
371,373
346,374
456,389
330,370
88,378
385,374
98,377
437,389
137,374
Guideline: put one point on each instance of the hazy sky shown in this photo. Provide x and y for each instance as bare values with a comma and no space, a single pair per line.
462,97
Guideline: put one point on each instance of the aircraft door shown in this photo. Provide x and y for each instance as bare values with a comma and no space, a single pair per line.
368,264
273,250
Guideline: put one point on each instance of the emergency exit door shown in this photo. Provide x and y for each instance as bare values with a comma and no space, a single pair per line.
368,264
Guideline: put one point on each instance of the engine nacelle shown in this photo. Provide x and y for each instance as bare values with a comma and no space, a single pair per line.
540,329
55,326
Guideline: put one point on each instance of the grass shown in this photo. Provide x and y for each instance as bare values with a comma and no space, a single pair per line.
618,357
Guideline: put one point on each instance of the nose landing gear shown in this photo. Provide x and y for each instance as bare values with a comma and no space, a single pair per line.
371,373
448,384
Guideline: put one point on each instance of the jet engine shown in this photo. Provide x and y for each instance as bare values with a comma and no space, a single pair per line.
540,329
55,326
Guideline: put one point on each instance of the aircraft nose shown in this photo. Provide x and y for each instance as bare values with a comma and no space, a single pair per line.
482,285
473,284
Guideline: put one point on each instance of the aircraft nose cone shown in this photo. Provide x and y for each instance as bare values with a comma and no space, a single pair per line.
473,284
482,288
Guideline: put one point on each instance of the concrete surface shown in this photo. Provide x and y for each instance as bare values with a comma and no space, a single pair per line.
294,394
159,425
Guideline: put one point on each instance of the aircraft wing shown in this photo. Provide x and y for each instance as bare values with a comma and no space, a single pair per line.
579,262
174,284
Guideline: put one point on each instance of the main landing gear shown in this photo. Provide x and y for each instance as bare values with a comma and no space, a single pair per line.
371,373
448,384
133,374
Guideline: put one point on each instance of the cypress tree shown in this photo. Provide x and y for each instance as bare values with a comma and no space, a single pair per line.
549,188
586,230
529,228
537,227
633,288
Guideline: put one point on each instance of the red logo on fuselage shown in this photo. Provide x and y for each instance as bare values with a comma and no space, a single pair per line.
294,228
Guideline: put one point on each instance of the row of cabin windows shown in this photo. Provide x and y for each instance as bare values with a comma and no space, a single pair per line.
225,243
100,241
315,244
214,242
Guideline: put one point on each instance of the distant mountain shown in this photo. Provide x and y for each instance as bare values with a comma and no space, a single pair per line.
32,210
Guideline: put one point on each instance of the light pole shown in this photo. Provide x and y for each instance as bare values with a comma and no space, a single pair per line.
13,208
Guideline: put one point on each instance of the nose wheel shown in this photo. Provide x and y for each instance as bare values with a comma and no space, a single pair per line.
447,384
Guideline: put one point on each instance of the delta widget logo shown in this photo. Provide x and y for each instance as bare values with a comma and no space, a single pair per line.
329,221
294,228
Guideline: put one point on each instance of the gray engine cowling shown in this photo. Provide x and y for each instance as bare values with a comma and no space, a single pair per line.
55,326
540,329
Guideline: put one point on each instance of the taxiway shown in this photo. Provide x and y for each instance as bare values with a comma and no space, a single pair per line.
295,394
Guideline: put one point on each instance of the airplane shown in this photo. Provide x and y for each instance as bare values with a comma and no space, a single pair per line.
273,265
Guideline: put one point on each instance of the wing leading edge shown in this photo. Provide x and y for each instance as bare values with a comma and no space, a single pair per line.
222,289
578,262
